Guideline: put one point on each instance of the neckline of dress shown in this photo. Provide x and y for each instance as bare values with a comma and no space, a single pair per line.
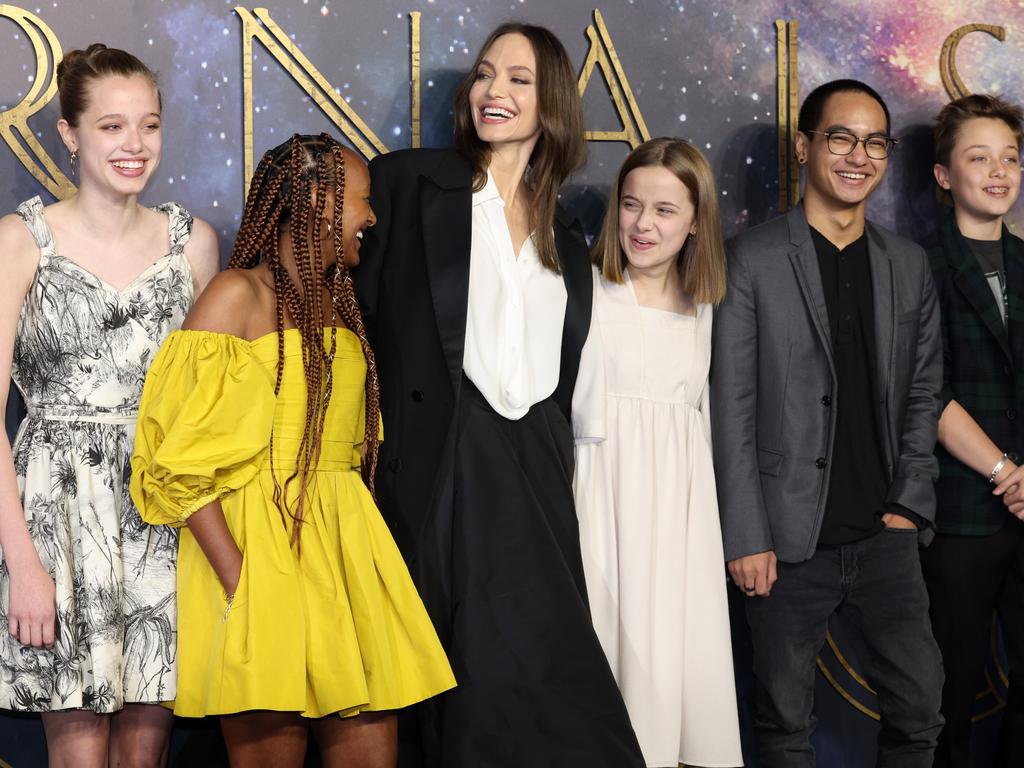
98,281
271,334
636,302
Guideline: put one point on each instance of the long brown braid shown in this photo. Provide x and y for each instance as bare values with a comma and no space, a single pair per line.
281,195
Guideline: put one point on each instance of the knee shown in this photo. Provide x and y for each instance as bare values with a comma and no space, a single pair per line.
784,705
136,758
137,753
916,717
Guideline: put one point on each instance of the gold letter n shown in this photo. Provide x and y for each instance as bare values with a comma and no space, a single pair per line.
258,24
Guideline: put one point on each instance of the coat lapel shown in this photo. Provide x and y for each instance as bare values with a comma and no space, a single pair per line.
446,210
1013,258
883,288
970,281
805,265
579,287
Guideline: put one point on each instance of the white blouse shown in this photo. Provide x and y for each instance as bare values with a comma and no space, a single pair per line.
515,314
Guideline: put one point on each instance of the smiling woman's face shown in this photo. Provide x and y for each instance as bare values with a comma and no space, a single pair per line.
503,98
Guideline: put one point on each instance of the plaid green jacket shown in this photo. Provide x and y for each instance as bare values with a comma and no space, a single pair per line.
983,371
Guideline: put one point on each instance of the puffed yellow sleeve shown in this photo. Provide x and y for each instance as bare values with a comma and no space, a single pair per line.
204,425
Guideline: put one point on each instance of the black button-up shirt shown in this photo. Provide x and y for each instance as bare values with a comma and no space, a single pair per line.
858,481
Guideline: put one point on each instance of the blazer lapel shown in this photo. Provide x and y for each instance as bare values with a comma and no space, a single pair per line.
446,210
970,281
883,288
805,265
1013,259
579,287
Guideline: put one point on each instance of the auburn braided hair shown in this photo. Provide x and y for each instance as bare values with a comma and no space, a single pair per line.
280,206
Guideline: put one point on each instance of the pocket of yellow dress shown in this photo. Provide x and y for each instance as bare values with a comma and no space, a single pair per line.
236,619
241,596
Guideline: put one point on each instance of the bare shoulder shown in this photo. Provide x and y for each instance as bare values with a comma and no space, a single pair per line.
14,235
230,303
19,254
203,253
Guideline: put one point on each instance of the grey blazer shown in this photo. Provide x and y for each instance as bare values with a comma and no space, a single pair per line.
773,393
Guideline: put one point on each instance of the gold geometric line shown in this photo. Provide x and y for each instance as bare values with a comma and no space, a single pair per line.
14,128
602,55
781,105
995,654
414,67
311,75
846,665
842,692
995,692
259,24
620,75
794,111
951,81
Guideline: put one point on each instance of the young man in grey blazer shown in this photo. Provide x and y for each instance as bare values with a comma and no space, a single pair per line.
826,378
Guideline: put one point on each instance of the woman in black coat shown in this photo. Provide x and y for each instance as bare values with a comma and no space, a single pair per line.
477,297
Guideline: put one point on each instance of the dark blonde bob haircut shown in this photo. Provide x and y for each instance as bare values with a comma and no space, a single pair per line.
702,259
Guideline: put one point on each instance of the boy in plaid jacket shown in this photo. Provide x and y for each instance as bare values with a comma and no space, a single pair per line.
976,563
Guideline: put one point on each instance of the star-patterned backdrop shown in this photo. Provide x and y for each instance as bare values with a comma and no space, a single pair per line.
702,70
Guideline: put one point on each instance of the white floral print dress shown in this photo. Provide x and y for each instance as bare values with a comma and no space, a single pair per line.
80,358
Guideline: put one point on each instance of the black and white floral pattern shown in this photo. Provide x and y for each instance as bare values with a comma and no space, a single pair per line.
80,359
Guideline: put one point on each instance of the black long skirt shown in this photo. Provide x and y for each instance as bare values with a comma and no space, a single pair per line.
534,687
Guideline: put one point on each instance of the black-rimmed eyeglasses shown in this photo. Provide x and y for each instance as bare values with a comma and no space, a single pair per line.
844,142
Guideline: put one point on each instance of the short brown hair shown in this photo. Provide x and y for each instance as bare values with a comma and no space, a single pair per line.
562,147
953,116
702,259
78,69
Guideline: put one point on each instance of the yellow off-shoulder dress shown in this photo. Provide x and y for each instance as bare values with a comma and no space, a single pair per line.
333,626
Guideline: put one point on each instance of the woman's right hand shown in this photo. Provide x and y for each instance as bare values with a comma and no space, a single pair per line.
32,606
230,583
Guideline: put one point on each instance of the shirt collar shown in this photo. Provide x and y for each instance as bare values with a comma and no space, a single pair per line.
488,193
822,245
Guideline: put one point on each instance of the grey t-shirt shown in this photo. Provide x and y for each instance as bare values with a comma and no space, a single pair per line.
989,254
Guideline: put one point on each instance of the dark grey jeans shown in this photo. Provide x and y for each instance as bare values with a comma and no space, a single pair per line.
877,587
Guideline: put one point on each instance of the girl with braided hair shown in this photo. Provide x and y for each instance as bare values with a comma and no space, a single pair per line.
295,606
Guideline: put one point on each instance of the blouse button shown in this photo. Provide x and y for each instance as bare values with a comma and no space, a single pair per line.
416,395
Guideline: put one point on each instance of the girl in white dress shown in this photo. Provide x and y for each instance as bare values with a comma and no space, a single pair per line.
644,484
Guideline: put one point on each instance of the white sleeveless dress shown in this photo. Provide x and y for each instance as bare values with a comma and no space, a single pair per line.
649,527
80,358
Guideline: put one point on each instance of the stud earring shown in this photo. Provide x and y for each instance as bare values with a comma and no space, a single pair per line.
74,162
802,160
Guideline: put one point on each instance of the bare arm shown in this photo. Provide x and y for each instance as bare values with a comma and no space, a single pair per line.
211,531
226,306
203,254
31,606
961,436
